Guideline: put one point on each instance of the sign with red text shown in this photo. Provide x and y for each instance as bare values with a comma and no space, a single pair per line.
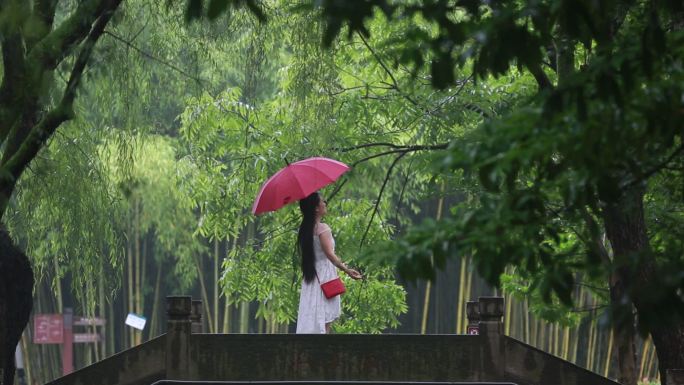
48,329
473,331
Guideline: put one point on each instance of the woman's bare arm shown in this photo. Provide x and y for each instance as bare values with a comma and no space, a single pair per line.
327,246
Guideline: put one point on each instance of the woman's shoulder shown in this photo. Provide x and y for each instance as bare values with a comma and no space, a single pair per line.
322,228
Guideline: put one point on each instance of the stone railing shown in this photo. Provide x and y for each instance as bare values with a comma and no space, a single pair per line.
184,353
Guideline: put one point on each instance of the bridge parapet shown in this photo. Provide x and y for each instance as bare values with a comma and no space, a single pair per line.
183,354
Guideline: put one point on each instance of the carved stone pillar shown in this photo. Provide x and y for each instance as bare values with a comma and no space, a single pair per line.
178,310
473,313
196,316
491,328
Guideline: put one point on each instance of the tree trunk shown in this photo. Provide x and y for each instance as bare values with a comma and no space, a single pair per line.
626,229
16,302
623,333
669,343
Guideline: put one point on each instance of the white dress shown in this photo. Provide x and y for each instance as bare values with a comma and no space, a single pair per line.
314,309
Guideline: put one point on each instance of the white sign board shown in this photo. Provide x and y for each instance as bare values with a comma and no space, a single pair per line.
136,321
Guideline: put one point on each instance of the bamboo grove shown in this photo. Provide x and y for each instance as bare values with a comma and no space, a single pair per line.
185,109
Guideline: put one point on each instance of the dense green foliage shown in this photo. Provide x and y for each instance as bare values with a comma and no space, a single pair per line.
549,128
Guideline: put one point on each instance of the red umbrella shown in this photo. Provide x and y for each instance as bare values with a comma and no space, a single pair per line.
297,181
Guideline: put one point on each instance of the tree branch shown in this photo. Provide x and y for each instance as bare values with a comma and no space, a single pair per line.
366,145
655,169
382,189
403,150
15,163
10,92
394,84
540,76
43,17
58,44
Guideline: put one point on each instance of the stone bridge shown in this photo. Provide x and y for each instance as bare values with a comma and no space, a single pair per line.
186,356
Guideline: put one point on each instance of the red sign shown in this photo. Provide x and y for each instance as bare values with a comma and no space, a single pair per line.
473,330
48,329
86,337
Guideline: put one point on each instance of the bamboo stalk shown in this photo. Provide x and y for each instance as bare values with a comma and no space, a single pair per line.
129,297
110,333
426,304
428,287
575,346
143,282
216,288
653,372
526,310
103,314
226,317
469,279
205,297
227,311
26,356
644,356
154,322
58,288
543,340
137,270
507,317
54,353
556,338
461,298
244,317
575,341
606,366
592,344
566,342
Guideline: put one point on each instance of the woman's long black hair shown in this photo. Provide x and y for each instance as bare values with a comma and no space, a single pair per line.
305,241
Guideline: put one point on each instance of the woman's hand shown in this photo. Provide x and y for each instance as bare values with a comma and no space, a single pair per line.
353,273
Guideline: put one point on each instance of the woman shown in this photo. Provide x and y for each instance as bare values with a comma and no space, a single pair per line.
319,264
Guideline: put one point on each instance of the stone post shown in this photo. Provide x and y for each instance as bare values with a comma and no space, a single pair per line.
196,316
178,309
473,313
491,328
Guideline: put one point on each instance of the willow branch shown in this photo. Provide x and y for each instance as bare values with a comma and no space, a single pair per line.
152,57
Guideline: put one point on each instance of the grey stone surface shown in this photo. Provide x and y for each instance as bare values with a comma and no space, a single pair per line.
344,357
528,365
140,365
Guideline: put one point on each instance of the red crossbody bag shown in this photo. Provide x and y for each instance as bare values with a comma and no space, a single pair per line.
333,287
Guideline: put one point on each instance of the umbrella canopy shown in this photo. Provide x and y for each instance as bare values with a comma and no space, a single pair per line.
297,181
